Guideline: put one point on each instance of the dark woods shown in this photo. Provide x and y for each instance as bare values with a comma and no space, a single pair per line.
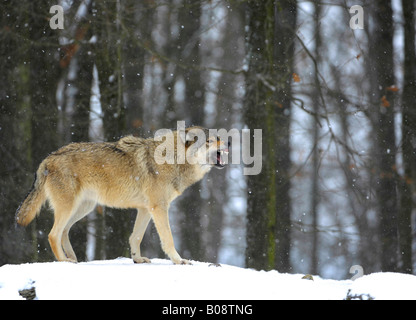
335,106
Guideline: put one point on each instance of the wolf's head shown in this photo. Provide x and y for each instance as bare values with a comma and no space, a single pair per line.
204,147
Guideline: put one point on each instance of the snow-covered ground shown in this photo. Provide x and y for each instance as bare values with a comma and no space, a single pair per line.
122,279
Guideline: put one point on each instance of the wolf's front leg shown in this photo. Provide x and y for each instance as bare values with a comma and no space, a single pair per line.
142,220
161,220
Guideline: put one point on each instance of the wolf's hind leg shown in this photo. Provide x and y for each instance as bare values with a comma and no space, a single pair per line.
82,210
55,236
142,220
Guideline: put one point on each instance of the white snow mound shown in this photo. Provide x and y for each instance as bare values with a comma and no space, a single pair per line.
161,280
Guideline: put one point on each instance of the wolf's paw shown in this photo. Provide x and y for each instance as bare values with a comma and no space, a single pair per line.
69,260
141,260
66,259
176,259
184,261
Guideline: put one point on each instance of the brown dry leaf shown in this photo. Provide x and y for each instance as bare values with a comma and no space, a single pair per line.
295,77
69,51
278,104
392,88
385,102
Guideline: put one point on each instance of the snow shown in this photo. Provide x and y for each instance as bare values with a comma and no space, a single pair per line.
161,280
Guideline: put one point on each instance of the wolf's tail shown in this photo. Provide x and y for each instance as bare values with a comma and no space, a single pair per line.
34,200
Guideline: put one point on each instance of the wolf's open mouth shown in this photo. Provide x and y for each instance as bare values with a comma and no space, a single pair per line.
220,160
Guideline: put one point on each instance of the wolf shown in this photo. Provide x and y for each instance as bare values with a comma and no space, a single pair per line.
122,174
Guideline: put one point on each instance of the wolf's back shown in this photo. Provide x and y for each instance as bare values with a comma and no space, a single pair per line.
34,200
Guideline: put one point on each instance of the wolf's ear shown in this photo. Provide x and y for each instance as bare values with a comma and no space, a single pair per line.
193,136
187,135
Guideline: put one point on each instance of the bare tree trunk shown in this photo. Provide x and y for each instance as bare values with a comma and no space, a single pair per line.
285,35
381,55
137,18
316,101
272,26
407,185
190,203
83,64
15,134
44,71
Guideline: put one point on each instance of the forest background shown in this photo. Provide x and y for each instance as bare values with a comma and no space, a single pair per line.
335,105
